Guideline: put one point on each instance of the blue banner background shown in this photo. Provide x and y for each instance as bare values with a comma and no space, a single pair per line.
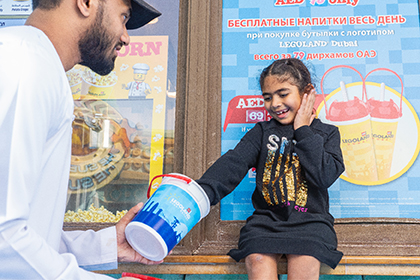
396,48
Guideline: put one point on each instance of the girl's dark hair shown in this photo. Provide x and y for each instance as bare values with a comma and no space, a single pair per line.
290,69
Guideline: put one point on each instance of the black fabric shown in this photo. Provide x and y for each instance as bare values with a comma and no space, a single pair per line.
294,171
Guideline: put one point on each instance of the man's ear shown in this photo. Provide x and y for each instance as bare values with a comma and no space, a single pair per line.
85,7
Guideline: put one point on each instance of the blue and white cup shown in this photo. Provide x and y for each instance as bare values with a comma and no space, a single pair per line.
177,205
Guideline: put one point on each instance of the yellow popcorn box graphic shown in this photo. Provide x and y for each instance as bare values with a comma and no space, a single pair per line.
74,77
76,90
97,86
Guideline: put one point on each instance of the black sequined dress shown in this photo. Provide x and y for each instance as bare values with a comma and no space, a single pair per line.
294,170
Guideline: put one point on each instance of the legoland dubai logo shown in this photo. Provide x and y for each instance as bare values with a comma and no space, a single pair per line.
352,3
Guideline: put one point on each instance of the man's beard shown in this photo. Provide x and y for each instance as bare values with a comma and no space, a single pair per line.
94,46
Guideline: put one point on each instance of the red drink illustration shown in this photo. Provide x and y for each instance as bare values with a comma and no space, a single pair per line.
368,127
384,121
353,120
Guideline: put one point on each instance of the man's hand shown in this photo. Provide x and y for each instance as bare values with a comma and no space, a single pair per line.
306,113
125,252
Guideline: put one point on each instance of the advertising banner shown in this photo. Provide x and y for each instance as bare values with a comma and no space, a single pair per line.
364,59
15,8
14,12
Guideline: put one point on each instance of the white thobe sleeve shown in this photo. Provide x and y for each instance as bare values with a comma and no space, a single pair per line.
24,255
93,250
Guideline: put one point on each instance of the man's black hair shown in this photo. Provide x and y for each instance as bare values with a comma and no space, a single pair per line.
45,4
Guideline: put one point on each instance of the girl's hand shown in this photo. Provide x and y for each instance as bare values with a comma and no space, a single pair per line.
306,113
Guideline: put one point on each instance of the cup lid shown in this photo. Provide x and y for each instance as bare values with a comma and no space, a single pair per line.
146,241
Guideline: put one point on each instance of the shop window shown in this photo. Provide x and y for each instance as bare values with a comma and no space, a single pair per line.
124,126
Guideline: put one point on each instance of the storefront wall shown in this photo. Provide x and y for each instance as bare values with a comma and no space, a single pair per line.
197,144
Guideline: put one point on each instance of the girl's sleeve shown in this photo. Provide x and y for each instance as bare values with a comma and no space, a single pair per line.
229,170
320,155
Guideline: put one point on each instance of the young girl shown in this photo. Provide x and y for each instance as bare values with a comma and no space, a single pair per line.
297,158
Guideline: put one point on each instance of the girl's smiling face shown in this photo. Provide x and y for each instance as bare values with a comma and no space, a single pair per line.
281,99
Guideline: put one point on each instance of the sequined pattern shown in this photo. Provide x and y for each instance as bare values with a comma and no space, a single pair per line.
283,199
273,187
291,180
267,176
302,190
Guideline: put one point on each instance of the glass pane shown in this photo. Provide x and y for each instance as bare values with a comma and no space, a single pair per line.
123,131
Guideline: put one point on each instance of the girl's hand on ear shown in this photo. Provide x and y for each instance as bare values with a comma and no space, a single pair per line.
306,113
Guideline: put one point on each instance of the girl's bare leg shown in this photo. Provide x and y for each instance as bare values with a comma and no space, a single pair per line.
302,267
262,266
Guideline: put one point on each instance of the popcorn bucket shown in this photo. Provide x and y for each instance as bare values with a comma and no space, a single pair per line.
74,77
353,120
76,90
168,215
384,120
94,91
96,86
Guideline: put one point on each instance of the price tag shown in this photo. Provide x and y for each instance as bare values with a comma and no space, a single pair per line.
254,116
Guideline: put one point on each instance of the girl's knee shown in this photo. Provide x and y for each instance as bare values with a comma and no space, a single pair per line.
261,266
253,259
302,267
257,259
